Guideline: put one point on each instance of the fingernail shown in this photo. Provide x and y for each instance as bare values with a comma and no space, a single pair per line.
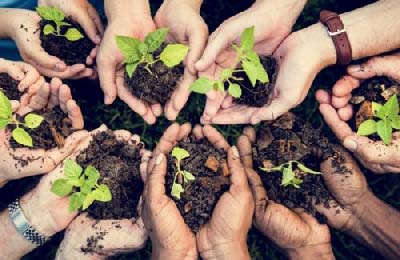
235,151
60,66
159,158
107,100
350,144
354,68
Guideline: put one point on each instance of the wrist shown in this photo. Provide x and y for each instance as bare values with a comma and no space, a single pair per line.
319,252
195,4
127,9
166,254
231,251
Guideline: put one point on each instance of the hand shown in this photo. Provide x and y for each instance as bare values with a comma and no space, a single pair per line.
186,26
224,236
271,28
335,108
295,232
29,45
39,161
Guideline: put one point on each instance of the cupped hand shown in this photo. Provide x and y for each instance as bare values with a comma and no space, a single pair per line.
186,26
295,232
27,162
271,28
27,38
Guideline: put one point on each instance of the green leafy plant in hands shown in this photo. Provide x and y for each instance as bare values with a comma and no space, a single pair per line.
387,119
136,52
82,186
289,177
249,62
181,175
57,16
20,135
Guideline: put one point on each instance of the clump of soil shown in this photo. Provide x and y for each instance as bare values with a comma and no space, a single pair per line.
71,52
259,95
52,132
157,86
118,163
209,165
9,86
292,139
377,89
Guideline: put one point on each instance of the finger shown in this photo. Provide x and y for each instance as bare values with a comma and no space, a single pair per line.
250,132
70,71
237,114
31,76
75,114
146,155
94,15
345,113
323,97
84,19
227,103
15,71
168,140
184,131
245,151
156,179
157,110
345,86
86,73
41,99
340,128
55,86
259,192
198,132
340,102
15,105
238,175
106,69
33,89
390,169
213,105
215,137
377,66
64,96
39,58
198,35
180,96
278,107
334,214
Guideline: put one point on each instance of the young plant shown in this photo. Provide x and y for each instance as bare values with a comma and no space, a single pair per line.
181,175
31,121
249,62
82,186
289,177
57,16
136,52
388,118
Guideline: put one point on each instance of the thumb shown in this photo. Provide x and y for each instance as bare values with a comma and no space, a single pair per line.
378,66
197,41
87,23
106,70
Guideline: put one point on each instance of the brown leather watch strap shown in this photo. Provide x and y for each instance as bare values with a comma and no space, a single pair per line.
339,36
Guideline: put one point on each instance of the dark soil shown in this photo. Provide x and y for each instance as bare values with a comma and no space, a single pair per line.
157,87
71,53
9,86
118,164
201,195
259,95
377,89
53,131
291,138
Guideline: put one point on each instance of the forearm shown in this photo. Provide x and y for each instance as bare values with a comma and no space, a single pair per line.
318,252
378,226
290,9
7,21
160,254
126,9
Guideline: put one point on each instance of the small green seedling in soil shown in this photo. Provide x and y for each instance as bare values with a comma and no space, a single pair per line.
57,16
289,177
388,118
249,62
136,52
31,121
177,188
81,186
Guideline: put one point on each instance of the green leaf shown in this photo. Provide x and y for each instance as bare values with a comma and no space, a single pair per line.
86,188
384,129
89,199
76,201
92,174
5,106
226,74
202,85
61,187
129,47
367,128
73,35
180,153
65,24
75,182
219,85
50,13
102,193
154,39
72,170
22,137
305,169
174,54
176,191
376,107
262,74
247,39
188,176
395,123
251,71
33,121
392,107
234,90
48,29
4,122
131,68
287,176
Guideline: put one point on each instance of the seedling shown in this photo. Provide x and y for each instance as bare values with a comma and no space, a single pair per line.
81,186
289,177
177,188
57,16
137,52
388,118
249,62
20,135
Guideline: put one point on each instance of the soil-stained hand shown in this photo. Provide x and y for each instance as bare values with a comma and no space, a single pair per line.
186,26
271,28
26,162
295,232
226,233
336,110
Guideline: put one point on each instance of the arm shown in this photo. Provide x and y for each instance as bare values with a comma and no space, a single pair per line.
123,9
